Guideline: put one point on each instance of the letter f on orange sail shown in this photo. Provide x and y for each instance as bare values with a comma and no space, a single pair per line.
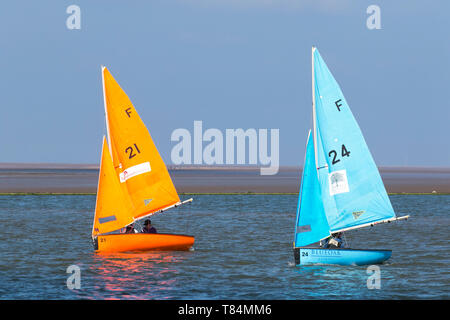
113,209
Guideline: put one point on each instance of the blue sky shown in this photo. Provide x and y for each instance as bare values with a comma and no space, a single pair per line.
232,64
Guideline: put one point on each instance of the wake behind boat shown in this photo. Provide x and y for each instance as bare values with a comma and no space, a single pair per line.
341,187
134,183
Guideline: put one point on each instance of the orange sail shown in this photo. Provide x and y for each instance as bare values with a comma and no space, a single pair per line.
113,209
139,168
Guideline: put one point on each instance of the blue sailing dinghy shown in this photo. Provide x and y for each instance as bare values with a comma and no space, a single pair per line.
341,187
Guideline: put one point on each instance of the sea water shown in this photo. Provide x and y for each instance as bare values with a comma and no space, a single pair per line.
243,250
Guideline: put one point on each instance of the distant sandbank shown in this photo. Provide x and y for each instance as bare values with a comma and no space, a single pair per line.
49,178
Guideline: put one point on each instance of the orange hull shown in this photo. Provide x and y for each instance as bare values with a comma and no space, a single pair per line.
142,242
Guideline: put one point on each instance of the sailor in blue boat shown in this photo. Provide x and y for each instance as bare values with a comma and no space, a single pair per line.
334,241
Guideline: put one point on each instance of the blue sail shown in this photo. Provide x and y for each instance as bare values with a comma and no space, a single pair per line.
311,222
352,188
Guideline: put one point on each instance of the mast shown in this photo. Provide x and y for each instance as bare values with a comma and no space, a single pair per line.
314,106
106,110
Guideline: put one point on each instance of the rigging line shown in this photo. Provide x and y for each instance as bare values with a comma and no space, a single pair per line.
186,227
347,244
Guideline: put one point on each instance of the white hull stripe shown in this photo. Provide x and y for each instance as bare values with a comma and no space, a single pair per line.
134,171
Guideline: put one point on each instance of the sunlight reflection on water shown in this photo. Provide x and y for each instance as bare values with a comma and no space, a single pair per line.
134,275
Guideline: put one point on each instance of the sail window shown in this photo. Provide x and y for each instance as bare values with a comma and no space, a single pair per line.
305,228
107,219
338,182
134,171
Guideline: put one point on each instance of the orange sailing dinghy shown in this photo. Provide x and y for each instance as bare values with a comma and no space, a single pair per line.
133,181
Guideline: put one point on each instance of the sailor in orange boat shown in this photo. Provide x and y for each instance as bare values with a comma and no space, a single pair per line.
148,228
130,229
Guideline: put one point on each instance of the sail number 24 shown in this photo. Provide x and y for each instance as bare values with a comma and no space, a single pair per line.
333,154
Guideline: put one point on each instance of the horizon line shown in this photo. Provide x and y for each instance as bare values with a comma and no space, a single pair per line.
93,166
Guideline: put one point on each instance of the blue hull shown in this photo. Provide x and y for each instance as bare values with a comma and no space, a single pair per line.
340,256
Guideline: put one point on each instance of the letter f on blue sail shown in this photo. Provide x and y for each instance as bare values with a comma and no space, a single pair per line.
312,224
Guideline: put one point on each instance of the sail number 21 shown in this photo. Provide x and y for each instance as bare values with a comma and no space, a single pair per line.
132,151
333,154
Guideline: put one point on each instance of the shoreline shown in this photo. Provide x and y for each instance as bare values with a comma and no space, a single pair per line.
80,180
209,193
93,166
